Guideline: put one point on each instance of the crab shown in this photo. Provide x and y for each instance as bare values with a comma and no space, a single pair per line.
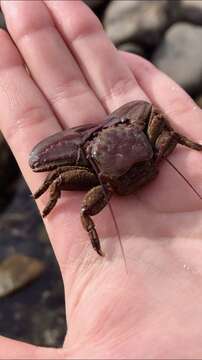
117,156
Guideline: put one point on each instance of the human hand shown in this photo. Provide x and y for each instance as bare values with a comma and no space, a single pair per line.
77,76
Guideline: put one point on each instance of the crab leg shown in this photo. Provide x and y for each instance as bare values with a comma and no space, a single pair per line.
70,180
183,140
52,176
94,201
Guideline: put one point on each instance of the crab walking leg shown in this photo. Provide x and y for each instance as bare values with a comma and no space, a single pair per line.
71,180
165,144
156,124
94,201
167,141
163,136
183,140
52,176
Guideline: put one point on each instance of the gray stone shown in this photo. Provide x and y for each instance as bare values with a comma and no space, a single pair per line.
142,21
8,173
199,101
132,48
37,311
179,55
17,271
191,10
94,4
2,21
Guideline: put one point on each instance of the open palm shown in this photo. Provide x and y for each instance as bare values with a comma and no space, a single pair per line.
154,310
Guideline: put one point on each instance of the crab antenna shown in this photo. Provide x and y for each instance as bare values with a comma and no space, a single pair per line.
117,230
112,214
187,181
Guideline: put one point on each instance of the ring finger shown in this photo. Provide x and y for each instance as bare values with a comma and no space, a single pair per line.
108,75
51,63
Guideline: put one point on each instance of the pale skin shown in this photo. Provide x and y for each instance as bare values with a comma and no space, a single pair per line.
154,310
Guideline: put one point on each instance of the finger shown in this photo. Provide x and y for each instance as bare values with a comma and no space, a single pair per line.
51,62
108,75
26,117
11,349
168,95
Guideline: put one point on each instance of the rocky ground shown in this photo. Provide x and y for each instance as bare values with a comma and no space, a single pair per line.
169,34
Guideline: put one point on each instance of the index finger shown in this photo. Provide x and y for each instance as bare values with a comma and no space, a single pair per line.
26,118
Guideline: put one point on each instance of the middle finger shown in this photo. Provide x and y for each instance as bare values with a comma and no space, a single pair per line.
108,75
51,63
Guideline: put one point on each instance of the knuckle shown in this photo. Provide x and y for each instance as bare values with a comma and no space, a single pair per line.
122,87
27,19
71,88
30,117
85,28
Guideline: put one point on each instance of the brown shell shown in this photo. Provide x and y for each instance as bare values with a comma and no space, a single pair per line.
117,149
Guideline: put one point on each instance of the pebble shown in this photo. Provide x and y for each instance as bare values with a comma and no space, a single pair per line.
199,101
132,48
94,4
179,55
8,173
17,271
142,21
191,11
2,21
